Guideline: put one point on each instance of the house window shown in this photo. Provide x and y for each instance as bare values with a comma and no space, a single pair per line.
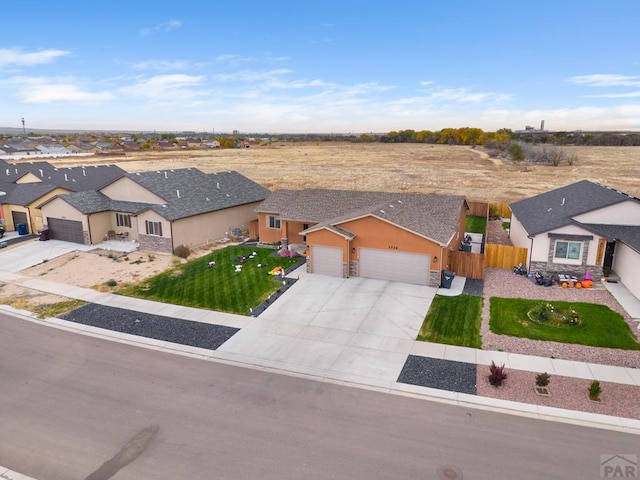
568,250
123,220
274,222
153,228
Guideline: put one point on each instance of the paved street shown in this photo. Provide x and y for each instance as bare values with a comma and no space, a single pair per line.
76,407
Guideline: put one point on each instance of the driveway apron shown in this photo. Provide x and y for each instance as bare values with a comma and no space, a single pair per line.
336,328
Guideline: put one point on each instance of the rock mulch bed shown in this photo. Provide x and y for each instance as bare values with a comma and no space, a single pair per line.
438,373
184,332
503,283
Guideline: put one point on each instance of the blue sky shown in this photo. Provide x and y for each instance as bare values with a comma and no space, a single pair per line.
327,66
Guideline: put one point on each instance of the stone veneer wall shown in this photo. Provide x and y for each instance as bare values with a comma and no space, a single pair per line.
435,277
550,268
86,238
155,243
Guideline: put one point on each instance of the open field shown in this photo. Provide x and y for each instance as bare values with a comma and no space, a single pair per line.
421,168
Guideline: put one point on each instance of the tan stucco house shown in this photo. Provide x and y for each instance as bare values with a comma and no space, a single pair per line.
579,227
25,186
392,236
160,210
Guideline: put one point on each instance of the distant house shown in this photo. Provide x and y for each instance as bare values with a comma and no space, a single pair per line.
582,226
27,185
211,144
160,210
392,236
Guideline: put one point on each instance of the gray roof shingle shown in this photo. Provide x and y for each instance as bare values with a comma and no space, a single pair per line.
429,215
556,208
188,192
93,201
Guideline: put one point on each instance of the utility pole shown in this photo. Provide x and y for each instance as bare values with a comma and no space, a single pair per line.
24,132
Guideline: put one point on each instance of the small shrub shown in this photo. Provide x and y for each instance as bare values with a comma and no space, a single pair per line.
497,374
111,283
182,251
595,390
542,379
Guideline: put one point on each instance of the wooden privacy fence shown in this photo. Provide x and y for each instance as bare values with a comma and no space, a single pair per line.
478,209
472,265
465,264
504,256
501,209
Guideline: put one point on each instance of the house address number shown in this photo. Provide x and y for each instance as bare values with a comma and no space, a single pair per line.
393,247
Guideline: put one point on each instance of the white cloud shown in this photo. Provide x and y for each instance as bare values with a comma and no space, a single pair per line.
605,80
15,56
161,27
40,90
163,65
615,95
464,95
166,87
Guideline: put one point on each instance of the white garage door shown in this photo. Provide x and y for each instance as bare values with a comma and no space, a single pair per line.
326,260
395,266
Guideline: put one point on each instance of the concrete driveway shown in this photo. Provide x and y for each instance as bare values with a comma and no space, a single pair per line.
34,252
337,328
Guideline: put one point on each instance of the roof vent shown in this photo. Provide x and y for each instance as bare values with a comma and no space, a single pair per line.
178,193
166,175
66,179
217,184
563,199
382,211
41,172
399,201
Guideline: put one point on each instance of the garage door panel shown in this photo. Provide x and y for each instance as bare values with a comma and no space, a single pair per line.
326,260
395,266
65,230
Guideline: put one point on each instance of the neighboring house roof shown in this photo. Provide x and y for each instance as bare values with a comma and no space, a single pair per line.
72,178
556,208
429,215
629,234
94,202
27,193
188,192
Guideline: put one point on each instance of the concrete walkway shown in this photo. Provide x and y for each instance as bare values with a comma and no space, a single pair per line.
358,331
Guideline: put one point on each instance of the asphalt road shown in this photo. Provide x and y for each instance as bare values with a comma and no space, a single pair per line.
74,407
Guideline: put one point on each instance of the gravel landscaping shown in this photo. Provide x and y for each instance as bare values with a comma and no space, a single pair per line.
184,332
503,283
438,373
566,392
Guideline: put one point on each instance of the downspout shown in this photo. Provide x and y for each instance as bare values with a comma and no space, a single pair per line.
88,228
530,253
348,257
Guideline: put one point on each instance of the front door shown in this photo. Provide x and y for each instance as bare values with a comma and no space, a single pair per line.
608,255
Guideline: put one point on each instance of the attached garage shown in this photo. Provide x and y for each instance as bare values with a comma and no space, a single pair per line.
66,230
395,266
18,217
326,260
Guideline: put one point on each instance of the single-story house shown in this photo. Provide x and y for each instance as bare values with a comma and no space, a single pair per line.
579,227
403,237
24,186
161,210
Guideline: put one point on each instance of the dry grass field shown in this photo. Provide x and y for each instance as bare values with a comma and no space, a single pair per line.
393,167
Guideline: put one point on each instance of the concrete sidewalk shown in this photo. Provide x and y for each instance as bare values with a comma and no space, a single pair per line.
357,331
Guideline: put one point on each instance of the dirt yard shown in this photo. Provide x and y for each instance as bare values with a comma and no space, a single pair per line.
393,167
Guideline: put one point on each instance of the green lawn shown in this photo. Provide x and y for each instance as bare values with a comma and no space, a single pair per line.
475,224
599,325
454,321
220,288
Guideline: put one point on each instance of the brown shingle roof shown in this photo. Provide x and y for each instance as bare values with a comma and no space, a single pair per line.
429,215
